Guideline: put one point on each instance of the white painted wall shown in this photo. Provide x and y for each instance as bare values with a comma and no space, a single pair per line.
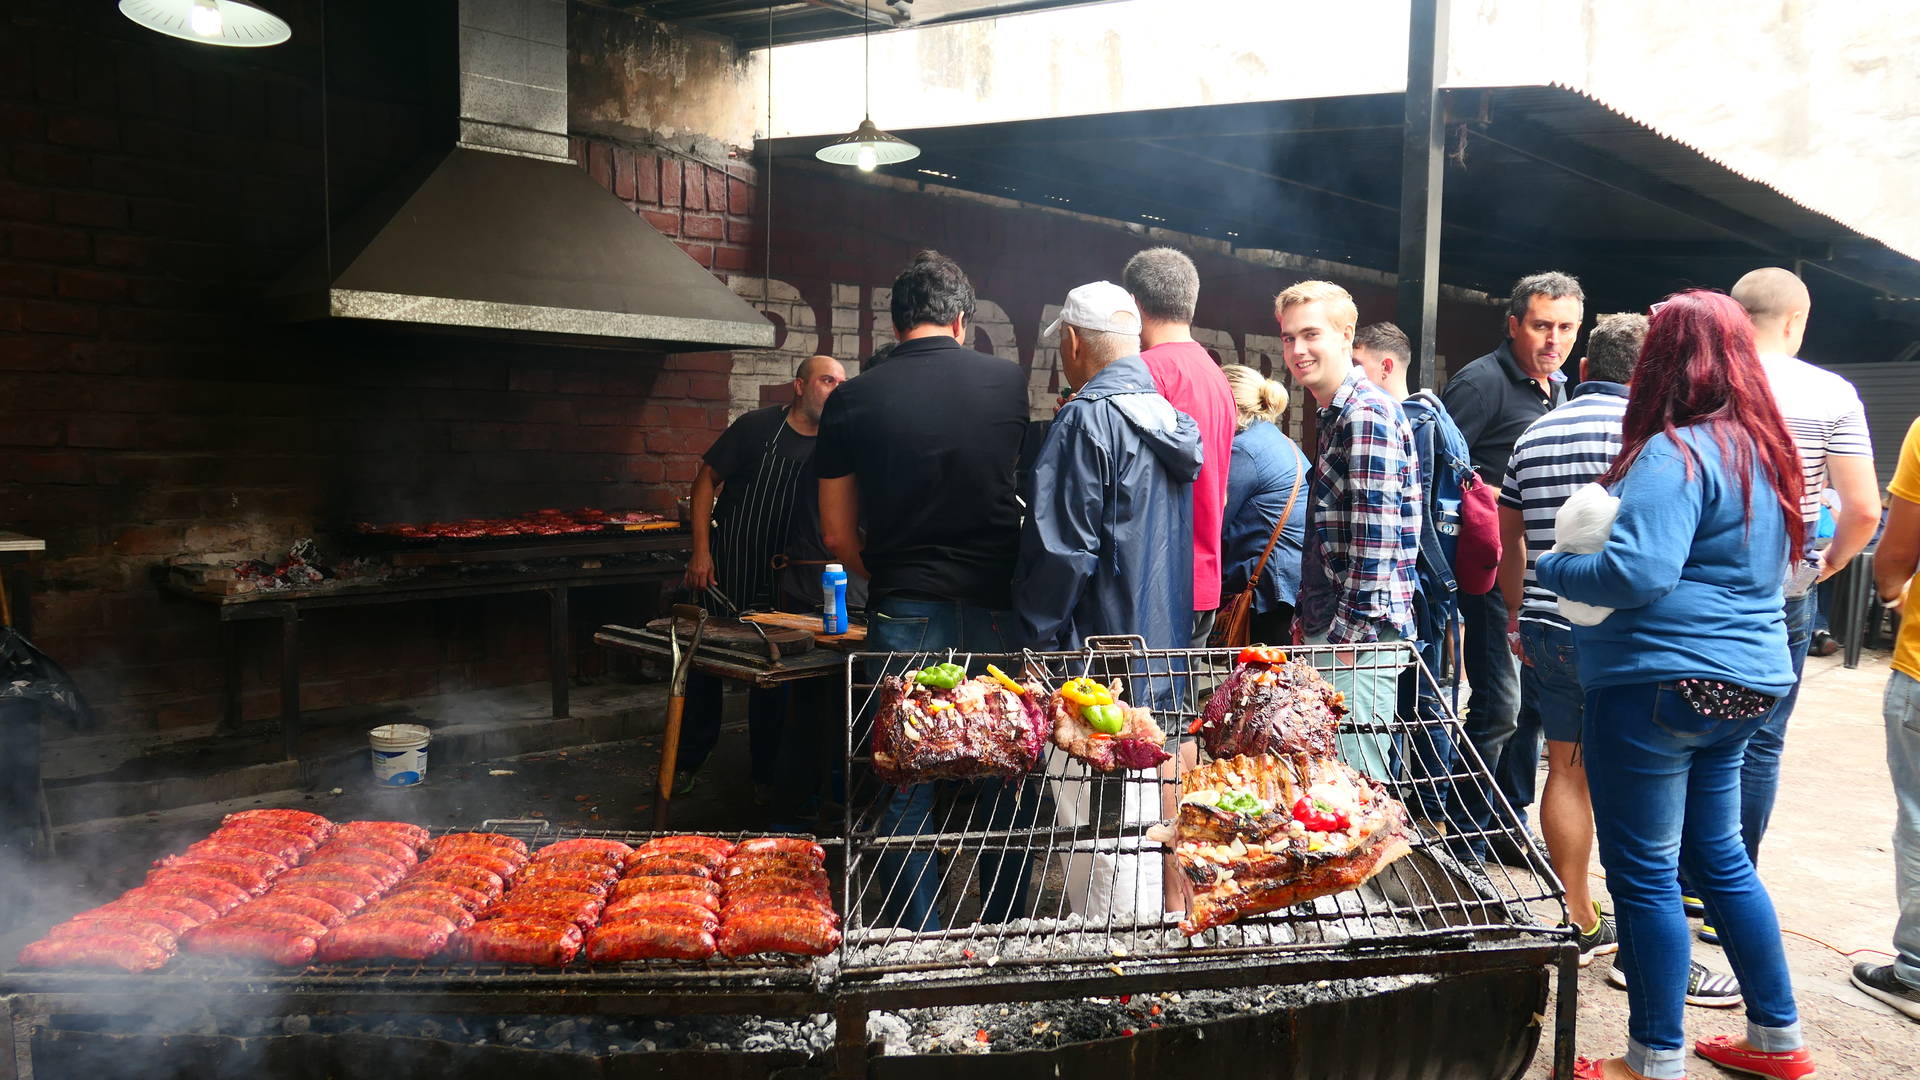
1820,98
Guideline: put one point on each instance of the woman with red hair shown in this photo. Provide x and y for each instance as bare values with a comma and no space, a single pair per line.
1683,672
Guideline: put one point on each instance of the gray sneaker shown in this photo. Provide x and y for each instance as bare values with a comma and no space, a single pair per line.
1602,940
1705,986
1879,981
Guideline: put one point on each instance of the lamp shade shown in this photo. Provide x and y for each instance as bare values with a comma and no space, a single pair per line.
235,23
866,148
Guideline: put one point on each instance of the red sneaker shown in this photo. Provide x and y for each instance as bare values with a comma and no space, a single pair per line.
1782,1065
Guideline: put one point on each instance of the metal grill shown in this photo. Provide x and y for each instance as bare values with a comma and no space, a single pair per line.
1056,868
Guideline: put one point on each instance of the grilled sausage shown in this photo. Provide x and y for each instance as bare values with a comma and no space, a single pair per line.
103,950
252,942
292,820
564,870
312,907
803,935
251,881
455,841
544,943
384,868
649,907
411,835
398,850
360,880
707,862
340,898
471,899
277,919
586,846
581,913
783,844
663,883
423,916
749,906
669,863
677,896
712,844
768,884
451,910
128,911
493,860
149,895
155,934
380,939
472,877
264,862
222,895
649,939
286,843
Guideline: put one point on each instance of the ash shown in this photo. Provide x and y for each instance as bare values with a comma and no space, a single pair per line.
589,1035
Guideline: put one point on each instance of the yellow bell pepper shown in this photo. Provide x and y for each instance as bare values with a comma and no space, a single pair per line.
1084,691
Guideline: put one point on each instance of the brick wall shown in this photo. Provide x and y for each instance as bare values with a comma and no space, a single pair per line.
148,188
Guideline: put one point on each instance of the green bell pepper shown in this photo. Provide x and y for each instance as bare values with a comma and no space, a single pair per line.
941,676
1105,719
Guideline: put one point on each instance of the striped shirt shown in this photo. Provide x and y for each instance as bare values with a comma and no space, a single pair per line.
1825,418
1363,519
1556,456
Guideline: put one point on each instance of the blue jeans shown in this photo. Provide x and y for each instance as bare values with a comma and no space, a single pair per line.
1430,758
1551,701
1902,708
913,901
1760,774
1666,794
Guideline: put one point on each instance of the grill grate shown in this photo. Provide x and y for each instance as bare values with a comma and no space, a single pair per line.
1093,881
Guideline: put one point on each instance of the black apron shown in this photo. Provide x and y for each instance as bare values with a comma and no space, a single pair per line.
756,529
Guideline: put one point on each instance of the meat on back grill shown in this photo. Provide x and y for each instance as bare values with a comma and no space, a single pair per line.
979,728
1272,708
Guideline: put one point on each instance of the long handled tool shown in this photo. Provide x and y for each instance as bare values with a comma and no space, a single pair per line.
676,702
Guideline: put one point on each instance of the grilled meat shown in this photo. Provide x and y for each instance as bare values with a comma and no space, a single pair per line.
127,911
541,942
470,899
290,844
777,932
1139,745
397,907
286,922
300,821
649,939
660,906
497,861
586,846
363,881
456,841
780,845
634,886
1260,833
200,910
712,845
411,835
341,898
318,910
222,895
473,877
121,952
979,728
398,850
381,939
253,882
678,864
1265,708
583,912
260,862
153,933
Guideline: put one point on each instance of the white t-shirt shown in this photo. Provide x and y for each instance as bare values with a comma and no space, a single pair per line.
1824,416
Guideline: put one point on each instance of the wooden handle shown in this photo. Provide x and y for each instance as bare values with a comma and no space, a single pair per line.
669,757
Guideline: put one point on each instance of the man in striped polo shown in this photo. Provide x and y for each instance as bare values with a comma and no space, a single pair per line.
1555,456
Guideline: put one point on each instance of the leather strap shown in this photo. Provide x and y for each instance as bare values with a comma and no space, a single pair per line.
1299,475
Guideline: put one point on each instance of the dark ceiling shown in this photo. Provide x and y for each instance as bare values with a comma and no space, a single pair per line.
1536,177
749,22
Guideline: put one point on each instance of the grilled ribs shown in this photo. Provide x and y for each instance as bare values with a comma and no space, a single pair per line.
979,728
1265,708
1259,833
1140,745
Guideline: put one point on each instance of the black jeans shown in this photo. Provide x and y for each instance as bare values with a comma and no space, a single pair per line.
1493,707
700,726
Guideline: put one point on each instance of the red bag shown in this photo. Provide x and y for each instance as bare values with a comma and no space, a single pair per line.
1476,561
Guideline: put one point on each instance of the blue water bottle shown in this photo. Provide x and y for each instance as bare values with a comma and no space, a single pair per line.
833,591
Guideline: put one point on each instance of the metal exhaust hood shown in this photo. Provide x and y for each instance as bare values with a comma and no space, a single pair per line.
506,234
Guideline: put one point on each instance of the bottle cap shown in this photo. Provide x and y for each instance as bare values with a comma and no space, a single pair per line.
835,568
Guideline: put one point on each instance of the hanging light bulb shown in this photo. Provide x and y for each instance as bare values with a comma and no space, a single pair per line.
238,23
867,148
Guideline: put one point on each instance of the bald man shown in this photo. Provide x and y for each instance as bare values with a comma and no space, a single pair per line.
757,468
1829,427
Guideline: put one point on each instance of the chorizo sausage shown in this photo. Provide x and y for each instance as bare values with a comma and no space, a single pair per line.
649,939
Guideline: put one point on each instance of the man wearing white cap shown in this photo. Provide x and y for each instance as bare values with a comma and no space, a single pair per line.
1107,548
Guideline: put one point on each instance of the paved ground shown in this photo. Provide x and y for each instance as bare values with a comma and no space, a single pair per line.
1831,884
1833,889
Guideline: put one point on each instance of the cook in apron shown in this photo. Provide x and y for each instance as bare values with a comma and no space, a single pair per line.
757,524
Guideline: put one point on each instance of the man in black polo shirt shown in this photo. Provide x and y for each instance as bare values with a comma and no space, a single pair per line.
1492,400
922,451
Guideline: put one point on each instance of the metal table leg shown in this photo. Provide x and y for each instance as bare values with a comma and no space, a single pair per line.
1566,1012
559,651
290,681
1859,604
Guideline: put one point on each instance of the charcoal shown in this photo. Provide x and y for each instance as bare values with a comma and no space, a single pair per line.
296,1024
561,1030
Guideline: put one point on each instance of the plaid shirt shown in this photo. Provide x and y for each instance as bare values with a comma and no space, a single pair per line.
1363,521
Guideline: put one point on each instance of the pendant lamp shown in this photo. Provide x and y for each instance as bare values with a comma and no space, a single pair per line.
867,146
236,23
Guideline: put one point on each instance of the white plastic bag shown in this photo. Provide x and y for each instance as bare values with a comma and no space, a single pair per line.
1582,526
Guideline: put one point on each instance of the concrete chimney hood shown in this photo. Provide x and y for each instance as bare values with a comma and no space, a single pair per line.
505,233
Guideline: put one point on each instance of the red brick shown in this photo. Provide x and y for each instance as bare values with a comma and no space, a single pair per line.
21,203
695,197
705,386
53,317
623,173
740,197
716,190
667,223
646,470
721,362
88,130
577,149
48,165
670,180
646,179
700,253
91,285
600,163
742,232
736,259
87,208
111,430
49,244
703,227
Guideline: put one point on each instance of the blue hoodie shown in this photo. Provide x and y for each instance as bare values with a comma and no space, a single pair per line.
1693,570
1107,547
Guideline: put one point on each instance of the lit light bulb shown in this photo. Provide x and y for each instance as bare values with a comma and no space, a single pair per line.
204,19
867,158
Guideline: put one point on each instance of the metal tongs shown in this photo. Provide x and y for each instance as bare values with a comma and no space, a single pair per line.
773,651
676,701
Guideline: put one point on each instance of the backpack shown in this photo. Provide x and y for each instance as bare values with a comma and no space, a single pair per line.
1460,519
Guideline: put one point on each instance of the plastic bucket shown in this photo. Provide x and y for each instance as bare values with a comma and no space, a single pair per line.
399,754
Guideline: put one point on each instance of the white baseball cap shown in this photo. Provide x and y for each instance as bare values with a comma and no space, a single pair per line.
1098,305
